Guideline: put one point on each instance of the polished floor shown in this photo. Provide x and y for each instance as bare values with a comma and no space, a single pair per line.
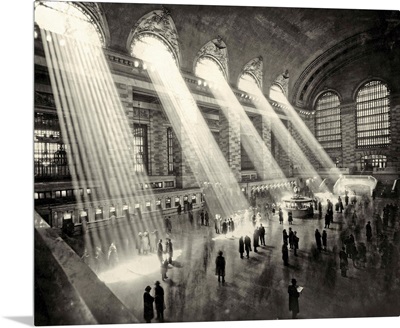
256,288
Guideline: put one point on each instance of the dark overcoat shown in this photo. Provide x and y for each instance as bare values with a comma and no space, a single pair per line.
293,299
241,245
148,300
159,298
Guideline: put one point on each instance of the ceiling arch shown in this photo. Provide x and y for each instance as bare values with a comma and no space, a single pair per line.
287,38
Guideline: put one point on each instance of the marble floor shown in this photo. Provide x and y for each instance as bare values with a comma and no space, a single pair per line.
256,288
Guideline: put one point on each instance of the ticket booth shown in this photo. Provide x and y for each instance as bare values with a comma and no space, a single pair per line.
158,204
177,201
113,211
125,211
83,216
68,225
148,206
138,211
99,214
194,199
168,202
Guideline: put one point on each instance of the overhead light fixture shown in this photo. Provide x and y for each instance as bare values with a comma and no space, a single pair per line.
48,38
136,63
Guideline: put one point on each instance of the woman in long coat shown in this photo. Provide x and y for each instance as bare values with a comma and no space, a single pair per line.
241,247
148,300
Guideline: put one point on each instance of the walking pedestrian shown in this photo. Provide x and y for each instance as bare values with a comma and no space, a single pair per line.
148,300
247,245
324,239
164,269
220,267
160,251
318,239
280,216
262,235
169,249
295,243
327,220
256,238
285,254
291,238
343,262
241,246
290,217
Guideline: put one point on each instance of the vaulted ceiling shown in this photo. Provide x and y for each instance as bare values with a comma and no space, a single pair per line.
286,38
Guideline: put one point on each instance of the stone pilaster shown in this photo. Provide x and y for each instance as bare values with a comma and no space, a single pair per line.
263,127
348,118
229,141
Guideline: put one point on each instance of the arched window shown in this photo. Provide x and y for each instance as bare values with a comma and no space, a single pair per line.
327,116
68,19
372,115
208,69
247,82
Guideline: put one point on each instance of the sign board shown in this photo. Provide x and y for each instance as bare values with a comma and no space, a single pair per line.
125,207
83,213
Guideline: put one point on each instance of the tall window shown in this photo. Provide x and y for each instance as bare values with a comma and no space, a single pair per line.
170,150
50,159
69,19
372,115
327,115
140,147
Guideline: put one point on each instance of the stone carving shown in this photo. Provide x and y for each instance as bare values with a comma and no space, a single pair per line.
217,51
158,23
254,68
283,81
142,113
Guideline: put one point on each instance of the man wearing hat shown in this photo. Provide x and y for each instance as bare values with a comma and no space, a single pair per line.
220,267
293,298
148,300
159,301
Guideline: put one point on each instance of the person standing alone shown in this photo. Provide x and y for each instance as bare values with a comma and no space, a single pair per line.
220,267
294,299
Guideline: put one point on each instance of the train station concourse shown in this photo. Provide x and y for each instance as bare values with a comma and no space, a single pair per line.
242,162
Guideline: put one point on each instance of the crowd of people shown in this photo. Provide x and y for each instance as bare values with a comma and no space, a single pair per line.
369,236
